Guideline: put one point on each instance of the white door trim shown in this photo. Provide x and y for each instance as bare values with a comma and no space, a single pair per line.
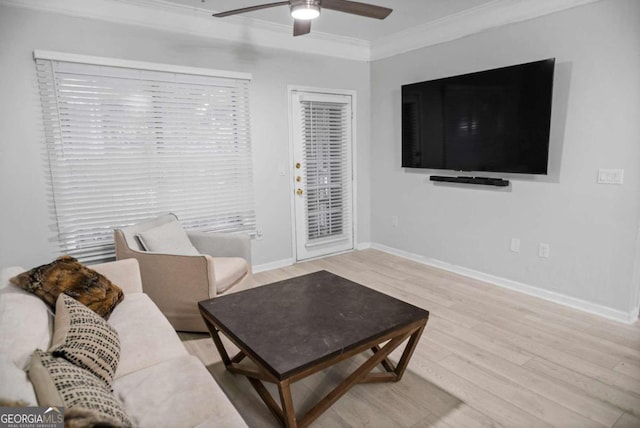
354,154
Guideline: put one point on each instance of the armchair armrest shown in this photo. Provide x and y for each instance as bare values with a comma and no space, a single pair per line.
167,277
222,244
175,283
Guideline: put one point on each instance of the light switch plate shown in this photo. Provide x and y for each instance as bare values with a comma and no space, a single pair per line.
543,250
610,176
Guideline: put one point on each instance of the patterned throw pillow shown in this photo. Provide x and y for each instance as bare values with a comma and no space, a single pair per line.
59,383
67,275
83,338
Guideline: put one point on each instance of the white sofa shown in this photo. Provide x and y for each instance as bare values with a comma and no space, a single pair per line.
157,381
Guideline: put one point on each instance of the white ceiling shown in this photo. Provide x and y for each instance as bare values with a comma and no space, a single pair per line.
413,24
406,14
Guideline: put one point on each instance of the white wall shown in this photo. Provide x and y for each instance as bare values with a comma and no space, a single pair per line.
591,228
24,217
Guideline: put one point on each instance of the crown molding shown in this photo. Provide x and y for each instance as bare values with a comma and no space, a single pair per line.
490,15
166,16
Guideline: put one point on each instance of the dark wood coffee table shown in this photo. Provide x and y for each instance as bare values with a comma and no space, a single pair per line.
294,328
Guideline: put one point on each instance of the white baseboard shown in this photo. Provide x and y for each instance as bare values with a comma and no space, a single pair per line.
288,262
272,265
572,302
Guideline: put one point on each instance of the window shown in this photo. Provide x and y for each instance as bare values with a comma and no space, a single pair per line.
127,141
326,144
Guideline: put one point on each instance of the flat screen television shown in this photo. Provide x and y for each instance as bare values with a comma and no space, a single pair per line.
495,120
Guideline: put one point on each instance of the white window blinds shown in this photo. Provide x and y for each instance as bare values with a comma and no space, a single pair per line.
326,138
125,144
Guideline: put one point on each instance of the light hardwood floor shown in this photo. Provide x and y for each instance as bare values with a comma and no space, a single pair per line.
488,357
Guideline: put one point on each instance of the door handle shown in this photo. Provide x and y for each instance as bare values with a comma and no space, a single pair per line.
299,192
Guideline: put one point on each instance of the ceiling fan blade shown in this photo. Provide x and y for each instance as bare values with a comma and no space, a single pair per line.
249,9
301,27
357,8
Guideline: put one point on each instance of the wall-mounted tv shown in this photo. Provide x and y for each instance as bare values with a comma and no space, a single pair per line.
496,120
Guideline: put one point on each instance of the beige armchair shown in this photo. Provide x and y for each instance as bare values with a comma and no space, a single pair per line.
177,280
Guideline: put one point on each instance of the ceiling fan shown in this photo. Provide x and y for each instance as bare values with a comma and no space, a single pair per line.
303,11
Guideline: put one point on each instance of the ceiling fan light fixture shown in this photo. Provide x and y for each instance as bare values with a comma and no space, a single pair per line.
305,10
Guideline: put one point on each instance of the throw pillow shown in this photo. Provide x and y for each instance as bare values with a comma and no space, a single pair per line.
59,383
67,275
85,418
85,339
169,238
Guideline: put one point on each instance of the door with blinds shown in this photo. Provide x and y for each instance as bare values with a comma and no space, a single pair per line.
323,178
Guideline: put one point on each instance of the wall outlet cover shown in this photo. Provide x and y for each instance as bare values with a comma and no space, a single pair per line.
610,176
543,251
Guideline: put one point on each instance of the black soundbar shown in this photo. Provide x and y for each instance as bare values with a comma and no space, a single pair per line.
486,181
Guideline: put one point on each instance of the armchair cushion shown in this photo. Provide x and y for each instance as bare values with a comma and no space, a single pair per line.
168,238
128,233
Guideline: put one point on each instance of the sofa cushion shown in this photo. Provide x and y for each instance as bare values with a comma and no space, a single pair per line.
58,383
14,384
125,273
169,238
176,393
67,275
85,339
146,337
25,323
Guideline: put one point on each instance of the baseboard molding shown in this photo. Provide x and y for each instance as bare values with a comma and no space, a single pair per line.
572,302
272,265
288,262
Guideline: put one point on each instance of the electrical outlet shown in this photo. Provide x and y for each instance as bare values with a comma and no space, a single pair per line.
610,176
515,245
543,251
394,221
259,235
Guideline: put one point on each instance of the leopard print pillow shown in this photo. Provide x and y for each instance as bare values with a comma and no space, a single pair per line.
67,275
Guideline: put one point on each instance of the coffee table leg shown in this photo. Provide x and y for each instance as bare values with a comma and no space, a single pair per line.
284,389
386,363
218,342
408,352
268,400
